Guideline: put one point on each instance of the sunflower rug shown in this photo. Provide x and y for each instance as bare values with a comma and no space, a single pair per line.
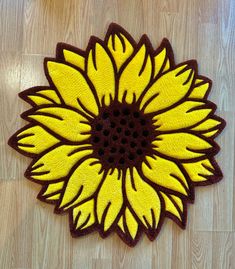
121,136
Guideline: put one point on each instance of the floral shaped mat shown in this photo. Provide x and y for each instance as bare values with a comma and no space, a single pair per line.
121,136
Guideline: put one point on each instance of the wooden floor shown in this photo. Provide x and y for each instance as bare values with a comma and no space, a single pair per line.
31,236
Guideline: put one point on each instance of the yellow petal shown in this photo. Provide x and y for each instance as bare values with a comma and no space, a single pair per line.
72,85
57,163
83,215
74,58
211,133
51,94
40,96
143,199
39,100
168,89
200,90
128,224
54,197
131,223
161,62
170,206
210,127
121,224
120,48
52,191
64,122
109,200
182,116
165,173
182,146
178,201
101,73
52,188
207,125
162,58
167,66
136,75
198,80
119,43
82,184
33,140
201,171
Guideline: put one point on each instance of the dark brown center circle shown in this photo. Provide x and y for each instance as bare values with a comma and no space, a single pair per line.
122,136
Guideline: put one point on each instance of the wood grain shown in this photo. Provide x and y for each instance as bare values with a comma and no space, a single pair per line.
31,236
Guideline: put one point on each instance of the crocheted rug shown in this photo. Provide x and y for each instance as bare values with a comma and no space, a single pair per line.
120,136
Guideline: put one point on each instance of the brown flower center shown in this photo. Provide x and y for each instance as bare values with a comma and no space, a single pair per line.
122,136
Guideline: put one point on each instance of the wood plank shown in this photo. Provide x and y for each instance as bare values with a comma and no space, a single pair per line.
223,247
11,25
202,250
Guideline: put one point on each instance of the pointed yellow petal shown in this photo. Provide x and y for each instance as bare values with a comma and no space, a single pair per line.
74,58
62,121
57,163
54,197
201,170
109,200
82,183
39,100
128,224
120,48
168,89
200,91
207,125
50,94
34,140
131,223
178,201
136,75
165,173
210,127
121,224
72,85
182,145
170,207
101,73
53,187
167,66
41,96
198,80
211,133
161,62
83,215
184,115
162,58
143,199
